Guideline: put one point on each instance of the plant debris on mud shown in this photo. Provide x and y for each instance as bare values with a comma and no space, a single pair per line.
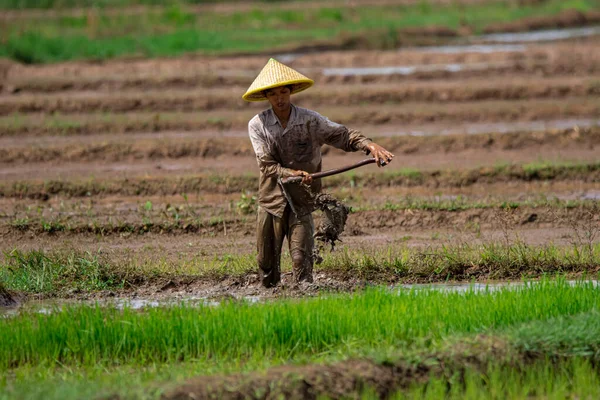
335,214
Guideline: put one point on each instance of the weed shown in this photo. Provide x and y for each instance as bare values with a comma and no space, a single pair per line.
52,226
585,231
247,204
190,210
172,212
21,224
216,220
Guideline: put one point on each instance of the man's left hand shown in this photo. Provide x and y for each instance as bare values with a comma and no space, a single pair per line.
381,155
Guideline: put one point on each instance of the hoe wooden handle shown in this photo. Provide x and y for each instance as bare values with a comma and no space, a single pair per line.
330,172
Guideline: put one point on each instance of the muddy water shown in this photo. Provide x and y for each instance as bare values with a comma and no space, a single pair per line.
446,49
592,195
540,36
470,48
412,69
479,287
502,127
50,306
483,44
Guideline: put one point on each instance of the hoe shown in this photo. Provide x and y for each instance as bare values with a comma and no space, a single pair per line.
300,198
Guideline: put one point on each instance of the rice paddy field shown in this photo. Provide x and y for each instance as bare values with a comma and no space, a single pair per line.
128,196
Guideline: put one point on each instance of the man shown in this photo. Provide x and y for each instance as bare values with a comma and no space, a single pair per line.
287,141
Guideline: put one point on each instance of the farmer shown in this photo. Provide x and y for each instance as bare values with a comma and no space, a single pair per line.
287,141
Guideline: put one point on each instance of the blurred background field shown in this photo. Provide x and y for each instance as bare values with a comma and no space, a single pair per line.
128,200
98,30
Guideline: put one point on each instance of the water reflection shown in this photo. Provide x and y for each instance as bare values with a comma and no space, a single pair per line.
540,36
411,69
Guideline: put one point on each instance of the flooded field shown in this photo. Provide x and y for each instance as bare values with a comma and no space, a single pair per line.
128,205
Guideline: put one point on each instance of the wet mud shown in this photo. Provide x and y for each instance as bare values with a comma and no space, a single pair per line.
7,299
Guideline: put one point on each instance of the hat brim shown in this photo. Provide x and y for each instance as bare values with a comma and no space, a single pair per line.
259,94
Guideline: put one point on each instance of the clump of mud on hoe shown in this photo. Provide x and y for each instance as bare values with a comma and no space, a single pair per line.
335,214
6,298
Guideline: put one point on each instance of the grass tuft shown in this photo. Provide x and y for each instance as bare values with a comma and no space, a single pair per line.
37,272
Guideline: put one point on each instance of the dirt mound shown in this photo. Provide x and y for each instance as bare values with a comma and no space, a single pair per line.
376,222
350,378
175,148
187,73
498,217
308,382
113,84
341,95
414,113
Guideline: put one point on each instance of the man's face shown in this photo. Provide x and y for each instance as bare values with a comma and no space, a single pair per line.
279,98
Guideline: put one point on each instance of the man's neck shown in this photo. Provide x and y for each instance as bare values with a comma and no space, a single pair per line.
283,116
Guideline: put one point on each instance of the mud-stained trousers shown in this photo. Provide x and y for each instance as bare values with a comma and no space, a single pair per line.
270,233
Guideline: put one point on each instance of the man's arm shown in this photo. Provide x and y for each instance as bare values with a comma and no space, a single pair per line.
266,162
339,136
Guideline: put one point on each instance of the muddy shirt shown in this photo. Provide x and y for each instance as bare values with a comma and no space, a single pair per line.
279,151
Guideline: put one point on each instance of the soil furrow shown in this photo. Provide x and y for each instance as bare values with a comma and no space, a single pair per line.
511,71
360,223
122,149
223,120
434,92
230,183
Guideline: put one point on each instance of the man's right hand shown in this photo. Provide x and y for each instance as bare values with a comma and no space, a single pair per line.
306,178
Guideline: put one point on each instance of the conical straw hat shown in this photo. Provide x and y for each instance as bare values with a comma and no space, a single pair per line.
276,74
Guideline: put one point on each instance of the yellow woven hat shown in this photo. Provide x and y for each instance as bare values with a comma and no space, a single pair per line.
276,74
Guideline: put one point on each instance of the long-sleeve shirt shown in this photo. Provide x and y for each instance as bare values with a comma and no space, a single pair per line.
280,151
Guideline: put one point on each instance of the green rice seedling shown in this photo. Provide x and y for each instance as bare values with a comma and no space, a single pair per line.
238,330
457,355
561,337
